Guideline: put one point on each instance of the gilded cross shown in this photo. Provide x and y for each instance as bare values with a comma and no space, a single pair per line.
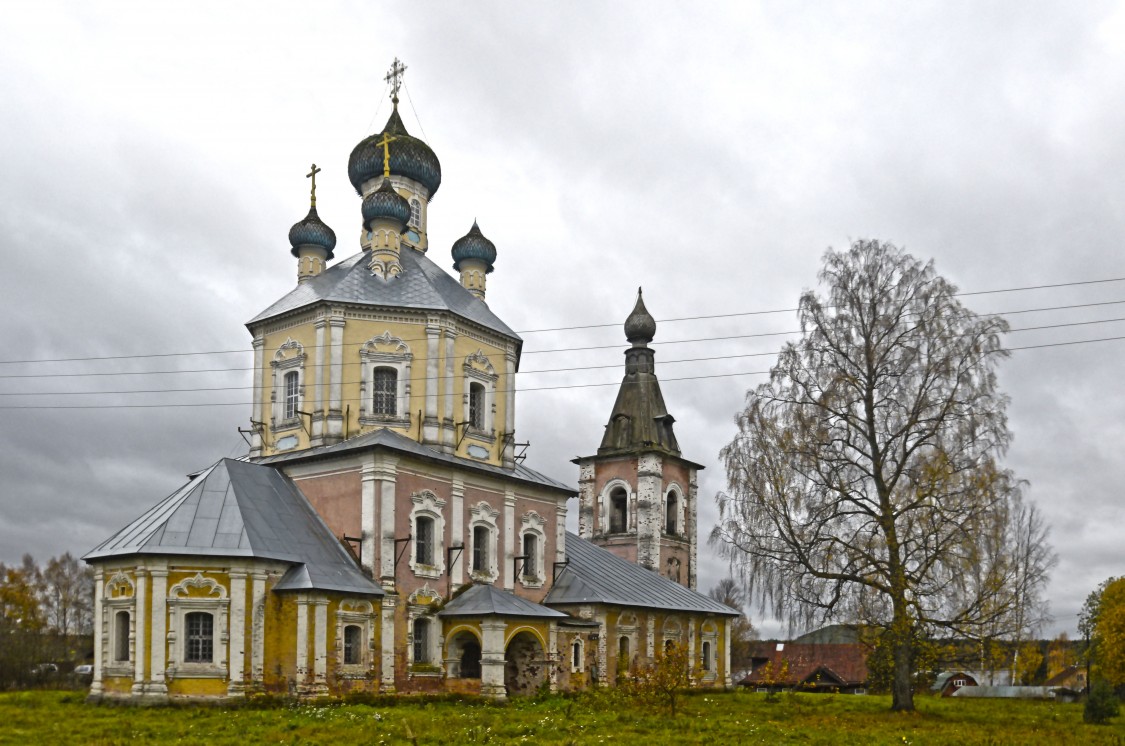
394,78
385,143
312,175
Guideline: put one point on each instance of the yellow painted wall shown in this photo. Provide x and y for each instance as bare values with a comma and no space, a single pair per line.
411,329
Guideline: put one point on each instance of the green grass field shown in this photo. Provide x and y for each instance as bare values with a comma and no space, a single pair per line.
724,718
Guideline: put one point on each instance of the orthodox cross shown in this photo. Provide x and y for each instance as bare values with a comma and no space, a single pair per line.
312,175
394,78
385,144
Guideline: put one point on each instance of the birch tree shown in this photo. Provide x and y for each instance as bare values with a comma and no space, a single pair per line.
864,482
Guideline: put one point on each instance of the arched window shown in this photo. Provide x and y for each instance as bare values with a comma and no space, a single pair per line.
576,656
706,655
669,646
200,637
618,511
481,549
353,644
623,649
671,513
121,637
421,640
415,213
476,406
292,394
424,540
531,555
384,388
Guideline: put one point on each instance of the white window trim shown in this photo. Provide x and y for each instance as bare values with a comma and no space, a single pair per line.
674,489
484,515
532,523
607,508
577,641
119,595
709,633
419,605
672,630
361,614
385,351
214,601
428,505
478,369
290,357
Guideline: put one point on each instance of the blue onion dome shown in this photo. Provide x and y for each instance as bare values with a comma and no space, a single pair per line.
410,157
312,231
473,245
385,203
640,326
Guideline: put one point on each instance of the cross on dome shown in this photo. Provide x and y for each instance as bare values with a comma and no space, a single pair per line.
394,78
312,175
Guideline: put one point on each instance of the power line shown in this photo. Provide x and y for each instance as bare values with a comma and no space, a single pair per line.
572,369
598,326
579,349
505,391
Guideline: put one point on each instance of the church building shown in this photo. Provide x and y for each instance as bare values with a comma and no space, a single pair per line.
382,535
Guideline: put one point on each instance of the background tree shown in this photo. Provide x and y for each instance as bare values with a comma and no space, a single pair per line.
742,632
1087,627
1109,633
1061,655
864,481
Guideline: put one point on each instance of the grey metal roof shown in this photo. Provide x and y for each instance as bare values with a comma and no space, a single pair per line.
488,600
237,509
422,285
595,575
382,437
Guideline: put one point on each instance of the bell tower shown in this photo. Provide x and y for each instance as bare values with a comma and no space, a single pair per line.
637,495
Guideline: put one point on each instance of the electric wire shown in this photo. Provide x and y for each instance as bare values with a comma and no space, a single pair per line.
505,391
607,325
710,358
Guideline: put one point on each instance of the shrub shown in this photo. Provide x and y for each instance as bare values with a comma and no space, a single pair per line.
1102,704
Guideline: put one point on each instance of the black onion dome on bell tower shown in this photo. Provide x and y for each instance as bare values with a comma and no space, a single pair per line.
312,231
385,203
640,327
409,157
473,245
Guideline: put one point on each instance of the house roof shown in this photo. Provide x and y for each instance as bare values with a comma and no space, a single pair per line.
1066,676
846,663
595,575
386,438
237,509
422,285
488,600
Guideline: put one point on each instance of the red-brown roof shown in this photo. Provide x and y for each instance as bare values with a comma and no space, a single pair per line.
843,664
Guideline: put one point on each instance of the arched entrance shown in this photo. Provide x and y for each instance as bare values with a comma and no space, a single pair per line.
525,667
464,654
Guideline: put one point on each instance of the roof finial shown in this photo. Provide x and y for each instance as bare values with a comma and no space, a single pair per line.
312,175
394,79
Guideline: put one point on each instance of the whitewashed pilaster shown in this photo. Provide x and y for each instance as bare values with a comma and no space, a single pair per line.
259,411
319,389
457,532
430,433
157,686
385,473
237,646
508,573
335,378
100,631
387,627
258,643
449,431
302,640
369,529
139,660
320,646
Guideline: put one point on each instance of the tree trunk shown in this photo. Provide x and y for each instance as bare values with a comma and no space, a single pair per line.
902,640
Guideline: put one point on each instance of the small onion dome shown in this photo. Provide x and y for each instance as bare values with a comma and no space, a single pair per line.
640,326
410,157
312,231
473,245
385,203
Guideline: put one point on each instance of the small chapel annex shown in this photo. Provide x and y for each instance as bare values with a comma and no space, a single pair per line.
381,535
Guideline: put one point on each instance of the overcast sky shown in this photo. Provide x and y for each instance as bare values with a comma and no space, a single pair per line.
154,158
